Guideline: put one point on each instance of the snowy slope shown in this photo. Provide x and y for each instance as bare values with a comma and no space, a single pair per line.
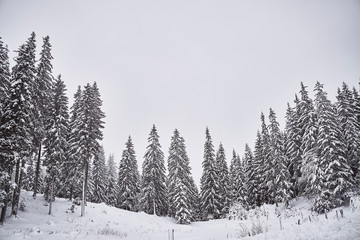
104,222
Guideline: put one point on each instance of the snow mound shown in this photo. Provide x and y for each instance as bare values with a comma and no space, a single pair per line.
105,222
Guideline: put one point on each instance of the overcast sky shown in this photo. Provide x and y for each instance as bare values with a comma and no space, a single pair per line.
191,64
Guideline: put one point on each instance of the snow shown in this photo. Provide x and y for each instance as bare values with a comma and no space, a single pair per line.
104,222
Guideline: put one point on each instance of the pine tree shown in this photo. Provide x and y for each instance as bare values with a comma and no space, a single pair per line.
128,180
28,181
209,182
111,189
41,97
259,176
293,141
183,195
56,143
4,95
268,185
16,122
153,186
308,124
232,176
282,185
72,166
90,125
224,184
331,151
250,178
349,126
99,177
4,76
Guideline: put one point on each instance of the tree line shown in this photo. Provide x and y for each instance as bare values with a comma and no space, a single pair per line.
49,149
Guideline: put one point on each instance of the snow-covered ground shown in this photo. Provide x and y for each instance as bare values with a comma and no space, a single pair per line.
104,222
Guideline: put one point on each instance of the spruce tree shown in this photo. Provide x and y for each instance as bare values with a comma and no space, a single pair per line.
250,177
232,175
209,182
282,185
349,126
183,195
41,97
4,95
56,144
293,141
223,181
16,122
72,166
153,182
258,177
111,187
128,179
99,177
331,152
268,185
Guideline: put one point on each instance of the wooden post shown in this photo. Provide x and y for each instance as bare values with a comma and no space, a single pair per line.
173,235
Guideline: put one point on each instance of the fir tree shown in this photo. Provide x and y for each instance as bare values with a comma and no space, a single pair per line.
128,180
268,185
183,194
153,186
293,141
111,189
99,177
258,176
56,143
349,126
331,151
41,97
250,181
4,76
209,182
282,185
72,166
16,122
223,181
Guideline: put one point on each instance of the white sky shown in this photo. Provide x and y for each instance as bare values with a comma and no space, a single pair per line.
192,64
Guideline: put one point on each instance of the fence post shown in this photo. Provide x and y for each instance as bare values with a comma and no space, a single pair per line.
173,234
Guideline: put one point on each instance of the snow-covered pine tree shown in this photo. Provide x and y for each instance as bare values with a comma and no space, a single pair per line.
4,95
331,152
181,185
153,181
4,76
28,180
308,127
224,191
16,122
128,179
268,185
258,176
55,143
41,97
232,175
349,126
250,178
282,184
181,203
209,182
72,167
85,133
99,177
293,145
111,188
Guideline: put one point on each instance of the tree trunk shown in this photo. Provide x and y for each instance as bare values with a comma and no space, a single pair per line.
51,194
7,191
37,172
15,193
83,191
18,188
86,181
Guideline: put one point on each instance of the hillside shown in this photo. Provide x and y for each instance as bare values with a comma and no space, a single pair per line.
104,222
